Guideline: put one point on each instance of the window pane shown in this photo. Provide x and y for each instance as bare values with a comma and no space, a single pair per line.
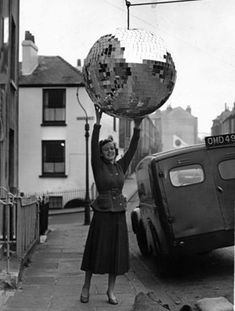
227,169
55,201
59,114
53,157
54,114
54,105
59,167
48,167
186,175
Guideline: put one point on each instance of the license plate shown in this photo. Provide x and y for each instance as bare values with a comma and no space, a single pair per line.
219,140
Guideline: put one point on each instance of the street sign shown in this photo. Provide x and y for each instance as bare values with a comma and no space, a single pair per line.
84,118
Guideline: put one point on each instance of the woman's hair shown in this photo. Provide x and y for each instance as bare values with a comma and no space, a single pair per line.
105,141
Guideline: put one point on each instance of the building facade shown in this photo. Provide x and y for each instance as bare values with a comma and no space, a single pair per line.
177,127
52,151
9,53
149,141
225,122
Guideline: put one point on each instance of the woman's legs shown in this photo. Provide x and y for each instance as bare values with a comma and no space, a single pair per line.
110,291
86,285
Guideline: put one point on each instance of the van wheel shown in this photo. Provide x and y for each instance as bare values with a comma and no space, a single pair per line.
162,262
134,221
163,266
142,239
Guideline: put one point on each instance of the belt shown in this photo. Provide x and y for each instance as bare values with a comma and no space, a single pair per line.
113,191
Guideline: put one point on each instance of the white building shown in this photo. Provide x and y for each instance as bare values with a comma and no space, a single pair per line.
51,127
177,127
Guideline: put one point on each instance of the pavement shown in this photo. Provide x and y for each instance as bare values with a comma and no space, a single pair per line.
52,280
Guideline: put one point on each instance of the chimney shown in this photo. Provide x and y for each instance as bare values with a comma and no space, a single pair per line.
188,109
169,108
29,54
79,64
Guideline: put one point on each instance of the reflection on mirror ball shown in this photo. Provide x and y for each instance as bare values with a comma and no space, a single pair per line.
129,73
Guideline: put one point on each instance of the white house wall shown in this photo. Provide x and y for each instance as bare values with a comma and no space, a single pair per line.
31,133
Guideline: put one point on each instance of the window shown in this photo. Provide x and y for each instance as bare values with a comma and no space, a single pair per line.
114,124
5,28
54,106
13,51
227,169
55,202
186,175
53,158
4,44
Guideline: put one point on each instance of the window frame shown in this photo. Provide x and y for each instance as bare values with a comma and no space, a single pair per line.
53,122
219,170
188,184
54,173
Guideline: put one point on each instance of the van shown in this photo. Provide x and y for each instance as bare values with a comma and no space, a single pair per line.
186,199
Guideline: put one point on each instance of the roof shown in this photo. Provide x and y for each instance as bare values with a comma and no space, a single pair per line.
177,111
179,151
52,71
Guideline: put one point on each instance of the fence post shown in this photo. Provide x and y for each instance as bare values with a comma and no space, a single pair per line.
19,230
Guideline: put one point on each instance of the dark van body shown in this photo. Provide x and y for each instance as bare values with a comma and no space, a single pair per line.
186,201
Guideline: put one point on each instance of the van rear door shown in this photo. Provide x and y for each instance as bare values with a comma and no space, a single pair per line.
223,161
190,197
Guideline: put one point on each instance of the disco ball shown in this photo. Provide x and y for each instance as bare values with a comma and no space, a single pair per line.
129,73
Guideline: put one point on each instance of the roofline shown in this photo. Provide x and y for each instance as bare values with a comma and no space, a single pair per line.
175,152
68,64
52,85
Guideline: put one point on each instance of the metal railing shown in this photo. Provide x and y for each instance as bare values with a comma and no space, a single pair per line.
19,226
27,225
66,195
8,225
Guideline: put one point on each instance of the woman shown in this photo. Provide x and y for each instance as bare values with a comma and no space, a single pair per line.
107,249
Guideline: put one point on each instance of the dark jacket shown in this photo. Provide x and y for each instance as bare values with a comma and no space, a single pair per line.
110,177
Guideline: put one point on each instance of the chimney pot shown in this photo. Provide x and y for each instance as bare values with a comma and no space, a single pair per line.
188,109
29,36
29,54
79,64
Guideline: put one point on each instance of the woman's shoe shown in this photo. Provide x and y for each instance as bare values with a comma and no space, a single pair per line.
112,301
84,299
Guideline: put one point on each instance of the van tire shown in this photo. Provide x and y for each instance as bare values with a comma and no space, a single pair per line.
134,221
162,262
142,239
163,266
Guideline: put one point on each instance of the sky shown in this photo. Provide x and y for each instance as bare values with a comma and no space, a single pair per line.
200,35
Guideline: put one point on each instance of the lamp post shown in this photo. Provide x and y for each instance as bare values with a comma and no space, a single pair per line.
87,195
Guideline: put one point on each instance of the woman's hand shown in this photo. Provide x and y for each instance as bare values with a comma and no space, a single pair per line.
137,122
98,113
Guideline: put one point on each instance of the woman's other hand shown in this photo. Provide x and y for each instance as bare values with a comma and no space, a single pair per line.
98,113
138,122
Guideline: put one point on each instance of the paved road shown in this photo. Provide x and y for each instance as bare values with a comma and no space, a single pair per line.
196,277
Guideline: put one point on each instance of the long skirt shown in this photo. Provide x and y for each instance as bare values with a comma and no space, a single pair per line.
107,246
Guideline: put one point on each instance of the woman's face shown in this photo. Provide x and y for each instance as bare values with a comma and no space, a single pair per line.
108,151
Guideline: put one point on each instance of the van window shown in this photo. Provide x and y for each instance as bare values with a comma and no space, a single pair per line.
227,169
186,175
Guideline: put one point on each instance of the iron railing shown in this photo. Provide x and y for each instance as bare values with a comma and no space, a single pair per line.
66,195
19,227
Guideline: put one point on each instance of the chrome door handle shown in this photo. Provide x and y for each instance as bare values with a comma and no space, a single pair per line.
220,189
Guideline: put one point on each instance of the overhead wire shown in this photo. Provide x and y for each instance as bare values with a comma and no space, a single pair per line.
175,36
